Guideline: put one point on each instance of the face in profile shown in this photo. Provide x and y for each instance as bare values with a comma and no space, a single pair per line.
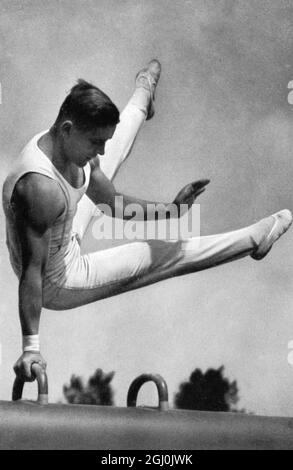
81,146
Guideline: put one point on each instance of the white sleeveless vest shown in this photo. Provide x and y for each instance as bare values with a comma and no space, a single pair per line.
33,159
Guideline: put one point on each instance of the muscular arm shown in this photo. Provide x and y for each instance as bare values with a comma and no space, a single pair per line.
102,191
37,202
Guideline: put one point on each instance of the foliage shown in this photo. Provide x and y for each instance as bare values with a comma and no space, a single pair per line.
209,391
97,391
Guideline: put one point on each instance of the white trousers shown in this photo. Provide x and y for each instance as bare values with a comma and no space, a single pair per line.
105,273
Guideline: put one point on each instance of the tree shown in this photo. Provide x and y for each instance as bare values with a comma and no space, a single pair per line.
98,390
209,391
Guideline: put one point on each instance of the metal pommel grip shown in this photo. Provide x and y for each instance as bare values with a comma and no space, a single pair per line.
142,379
42,380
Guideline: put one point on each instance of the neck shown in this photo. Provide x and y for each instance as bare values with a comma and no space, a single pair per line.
56,151
52,145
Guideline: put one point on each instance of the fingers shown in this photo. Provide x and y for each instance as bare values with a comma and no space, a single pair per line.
27,371
23,367
198,187
195,189
41,362
200,191
200,184
23,371
191,191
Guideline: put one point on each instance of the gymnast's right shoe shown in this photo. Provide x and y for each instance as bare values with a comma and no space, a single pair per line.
282,222
148,78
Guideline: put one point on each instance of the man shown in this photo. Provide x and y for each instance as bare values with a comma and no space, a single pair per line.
51,195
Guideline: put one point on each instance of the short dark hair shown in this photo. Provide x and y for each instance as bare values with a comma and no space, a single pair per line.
87,107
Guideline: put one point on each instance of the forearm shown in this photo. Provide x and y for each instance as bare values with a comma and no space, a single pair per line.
30,305
128,207
114,204
30,301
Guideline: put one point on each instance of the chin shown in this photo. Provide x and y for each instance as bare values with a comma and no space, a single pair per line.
81,163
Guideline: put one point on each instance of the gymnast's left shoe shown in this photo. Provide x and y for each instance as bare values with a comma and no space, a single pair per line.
148,78
282,222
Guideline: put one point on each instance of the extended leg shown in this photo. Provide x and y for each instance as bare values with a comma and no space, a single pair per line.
117,270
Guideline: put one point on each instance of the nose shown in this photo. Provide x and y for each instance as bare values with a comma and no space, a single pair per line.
101,150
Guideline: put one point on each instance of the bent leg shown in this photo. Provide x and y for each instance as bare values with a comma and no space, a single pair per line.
110,272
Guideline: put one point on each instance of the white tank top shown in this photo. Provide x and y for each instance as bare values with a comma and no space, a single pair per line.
33,159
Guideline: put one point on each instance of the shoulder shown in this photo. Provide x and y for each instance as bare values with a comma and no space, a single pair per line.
38,188
38,198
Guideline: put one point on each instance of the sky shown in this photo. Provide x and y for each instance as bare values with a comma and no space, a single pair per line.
222,113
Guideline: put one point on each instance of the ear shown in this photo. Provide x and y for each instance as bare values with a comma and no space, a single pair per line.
66,128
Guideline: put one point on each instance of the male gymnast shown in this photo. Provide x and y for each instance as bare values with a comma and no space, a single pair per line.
51,195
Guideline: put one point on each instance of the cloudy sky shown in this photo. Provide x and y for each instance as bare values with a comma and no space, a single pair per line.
222,113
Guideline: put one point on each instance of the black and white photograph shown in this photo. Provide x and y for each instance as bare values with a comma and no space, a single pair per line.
146,267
